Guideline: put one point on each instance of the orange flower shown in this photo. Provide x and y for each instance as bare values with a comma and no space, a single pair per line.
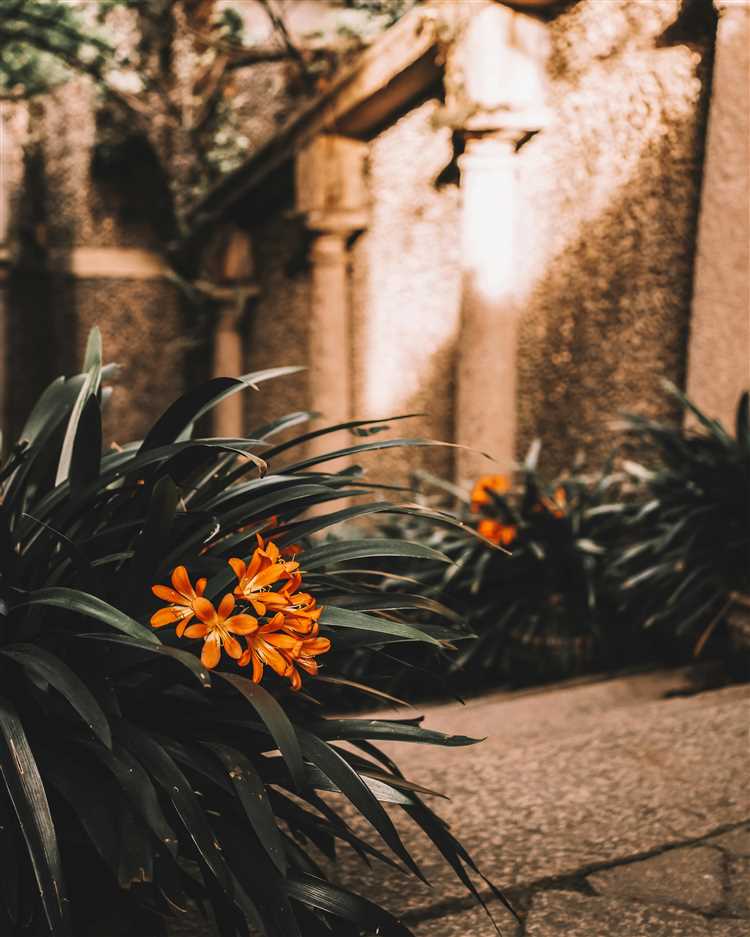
255,578
497,532
480,494
557,503
182,596
305,658
216,627
271,646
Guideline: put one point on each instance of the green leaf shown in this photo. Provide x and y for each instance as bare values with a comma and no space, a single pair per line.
137,785
365,447
90,386
276,721
177,787
85,463
199,400
84,603
332,764
346,618
49,667
251,793
186,658
318,893
330,553
395,730
26,790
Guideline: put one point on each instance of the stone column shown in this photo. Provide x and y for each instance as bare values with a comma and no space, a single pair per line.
228,358
332,198
4,254
719,348
228,267
495,100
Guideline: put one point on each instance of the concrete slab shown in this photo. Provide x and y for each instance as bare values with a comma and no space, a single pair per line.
561,786
573,914
691,878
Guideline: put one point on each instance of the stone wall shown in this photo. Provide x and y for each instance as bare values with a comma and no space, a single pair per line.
63,205
406,290
609,196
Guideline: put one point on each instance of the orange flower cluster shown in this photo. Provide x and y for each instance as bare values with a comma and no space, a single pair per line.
481,496
278,622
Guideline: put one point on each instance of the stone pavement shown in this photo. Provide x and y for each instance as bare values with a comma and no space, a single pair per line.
618,808
609,808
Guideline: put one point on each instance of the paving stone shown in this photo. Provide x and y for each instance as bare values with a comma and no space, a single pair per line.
685,877
738,897
472,922
735,842
557,913
606,786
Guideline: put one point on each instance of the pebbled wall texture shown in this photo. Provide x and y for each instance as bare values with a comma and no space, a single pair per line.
61,205
609,204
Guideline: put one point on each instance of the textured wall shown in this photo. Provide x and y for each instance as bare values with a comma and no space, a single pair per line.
277,321
61,206
406,290
609,196
719,353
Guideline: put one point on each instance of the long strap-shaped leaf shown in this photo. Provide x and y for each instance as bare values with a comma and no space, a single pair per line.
317,893
55,671
192,405
24,783
276,721
73,600
90,387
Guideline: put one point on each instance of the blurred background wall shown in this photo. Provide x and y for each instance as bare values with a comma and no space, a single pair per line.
498,230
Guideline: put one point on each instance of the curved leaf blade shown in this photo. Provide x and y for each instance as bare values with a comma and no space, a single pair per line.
26,790
56,672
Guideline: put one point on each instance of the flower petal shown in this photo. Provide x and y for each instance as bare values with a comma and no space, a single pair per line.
211,652
181,582
168,595
200,586
166,616
180,629
238,566
226,606
232,646
267,576
269,655
241,624
204,610
284,642
198,630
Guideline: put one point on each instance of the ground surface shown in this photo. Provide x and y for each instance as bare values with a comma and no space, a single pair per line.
618,808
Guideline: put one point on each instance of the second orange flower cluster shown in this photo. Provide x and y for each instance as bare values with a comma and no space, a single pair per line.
278,622
493,529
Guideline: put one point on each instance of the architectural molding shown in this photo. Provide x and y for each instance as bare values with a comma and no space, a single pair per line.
127,263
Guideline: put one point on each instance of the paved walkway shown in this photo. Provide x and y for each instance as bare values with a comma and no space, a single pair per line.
610,809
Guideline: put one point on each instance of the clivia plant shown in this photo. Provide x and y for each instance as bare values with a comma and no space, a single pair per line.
684,564
165,621
530,578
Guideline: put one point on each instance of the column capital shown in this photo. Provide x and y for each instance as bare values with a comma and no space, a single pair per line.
731,6
331,185
495,74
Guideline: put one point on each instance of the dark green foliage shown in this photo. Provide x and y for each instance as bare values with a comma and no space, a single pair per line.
687,545
136,784
539,604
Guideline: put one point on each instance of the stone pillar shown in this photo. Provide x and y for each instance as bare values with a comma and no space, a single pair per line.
229,269
495,100
719,348
4,255
332,198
